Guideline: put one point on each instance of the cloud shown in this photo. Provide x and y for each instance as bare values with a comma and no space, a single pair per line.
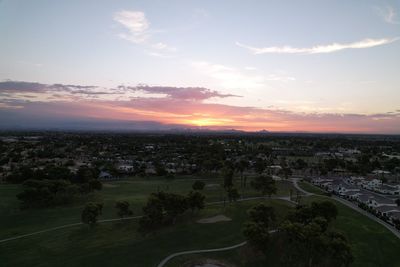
21,87
179,93
163,47
229,77
158,54
389,14
135,23
233,78
167,110
138,32
185,106
319,49
18,87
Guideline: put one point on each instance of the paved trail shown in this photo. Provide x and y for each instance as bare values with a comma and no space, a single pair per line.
65,226
164,261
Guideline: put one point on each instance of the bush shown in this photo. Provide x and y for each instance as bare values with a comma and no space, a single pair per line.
90,213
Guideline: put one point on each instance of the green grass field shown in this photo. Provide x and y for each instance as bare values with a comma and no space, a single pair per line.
119,244
80,246
136,190
372,244
311,188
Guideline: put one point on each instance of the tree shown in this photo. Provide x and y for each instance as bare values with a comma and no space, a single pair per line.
153,214
264,184
195,200
325,209
241,166
303,239
262,214
173,205
45,193
257,235
162,209
228,177
286,172
233,194
85,174
123,208
95,184
259,165
257,229
90,213
198,185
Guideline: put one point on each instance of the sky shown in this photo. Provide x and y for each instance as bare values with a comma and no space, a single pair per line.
304,66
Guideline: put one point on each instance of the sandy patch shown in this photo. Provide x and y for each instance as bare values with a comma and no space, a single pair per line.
212,185
217,218
207,263
110,185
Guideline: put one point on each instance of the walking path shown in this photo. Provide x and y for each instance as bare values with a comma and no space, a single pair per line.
65,226
164,261
296,185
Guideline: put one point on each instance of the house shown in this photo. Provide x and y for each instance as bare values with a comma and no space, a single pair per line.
125,168
387,210
356,180
371,184
394,216
378,201
353,195
105,176
388,189
346,189
364,198
380,172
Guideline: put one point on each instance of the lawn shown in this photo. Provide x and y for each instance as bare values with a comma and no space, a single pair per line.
372,244
311,188
119,244
135,190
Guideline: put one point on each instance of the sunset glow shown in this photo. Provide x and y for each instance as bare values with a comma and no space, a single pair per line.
131,63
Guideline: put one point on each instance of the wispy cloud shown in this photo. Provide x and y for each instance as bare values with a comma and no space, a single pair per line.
389,14
319,49
163,47
234,78
135,23
137,31
229,77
